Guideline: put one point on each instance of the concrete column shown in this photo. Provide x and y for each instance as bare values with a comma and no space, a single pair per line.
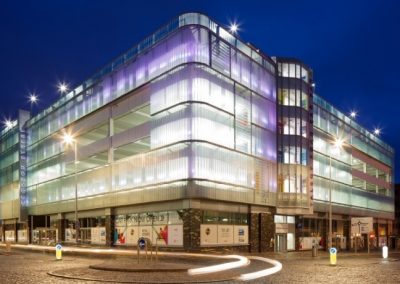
15,231
191,229
299,225
61,225
324,232
347,233
254,232
267,231
110,221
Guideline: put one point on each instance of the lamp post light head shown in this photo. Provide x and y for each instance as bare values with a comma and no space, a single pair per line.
338,143
62,87
8,124
33,98
353,114
234,28
377,131
68,139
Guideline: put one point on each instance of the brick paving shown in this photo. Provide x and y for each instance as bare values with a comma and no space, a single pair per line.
22,266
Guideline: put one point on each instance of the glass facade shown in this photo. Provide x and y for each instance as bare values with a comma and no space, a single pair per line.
294,139
360,171
198,124
9,164
193,115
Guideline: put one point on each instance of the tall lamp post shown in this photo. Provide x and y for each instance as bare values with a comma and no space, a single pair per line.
69,140
337,144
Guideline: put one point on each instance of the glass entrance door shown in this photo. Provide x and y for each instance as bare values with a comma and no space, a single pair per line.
44,236
281,244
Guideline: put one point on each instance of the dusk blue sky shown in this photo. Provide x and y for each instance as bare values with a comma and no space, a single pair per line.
352,46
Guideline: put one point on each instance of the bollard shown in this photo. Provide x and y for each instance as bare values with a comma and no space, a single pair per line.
58,252
385,252
332,256
314,250
8,247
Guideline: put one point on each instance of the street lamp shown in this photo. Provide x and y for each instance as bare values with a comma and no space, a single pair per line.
62,87
69,140
33,98
8,124
377,131
353,114
337,144
234,28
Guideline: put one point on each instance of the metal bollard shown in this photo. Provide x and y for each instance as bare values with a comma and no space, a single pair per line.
8,247
314,251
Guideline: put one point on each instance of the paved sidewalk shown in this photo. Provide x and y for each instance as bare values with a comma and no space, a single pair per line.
117,251
298,267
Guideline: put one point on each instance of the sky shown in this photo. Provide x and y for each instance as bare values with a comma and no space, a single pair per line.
353,46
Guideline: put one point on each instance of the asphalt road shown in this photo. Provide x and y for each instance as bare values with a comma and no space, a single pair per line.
33,267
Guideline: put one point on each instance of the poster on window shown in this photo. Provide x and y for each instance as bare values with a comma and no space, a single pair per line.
208,234
132,235
69,235
306,243
22,236
145,232
120,236
241,235
175,235
160,235
225,234
98,235
9,236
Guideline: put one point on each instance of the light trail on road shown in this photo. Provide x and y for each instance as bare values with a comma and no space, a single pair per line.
277,266
243,261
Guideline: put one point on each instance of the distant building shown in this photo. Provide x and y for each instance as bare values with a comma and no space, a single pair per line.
194,139
397,212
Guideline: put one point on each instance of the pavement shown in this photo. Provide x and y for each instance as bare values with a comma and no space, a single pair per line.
37,264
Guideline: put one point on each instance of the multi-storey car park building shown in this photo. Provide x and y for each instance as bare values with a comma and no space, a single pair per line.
193,139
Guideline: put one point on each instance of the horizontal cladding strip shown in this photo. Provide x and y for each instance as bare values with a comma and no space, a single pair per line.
371,161
371,179
89,150
89,122
176,191
10,209
270,162
292,140
375,146
353,210
131,100
104,110
131,135
293,112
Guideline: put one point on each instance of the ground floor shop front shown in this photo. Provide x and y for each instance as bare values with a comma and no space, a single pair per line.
204,226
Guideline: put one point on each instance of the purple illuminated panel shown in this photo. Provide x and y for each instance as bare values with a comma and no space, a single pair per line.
252,75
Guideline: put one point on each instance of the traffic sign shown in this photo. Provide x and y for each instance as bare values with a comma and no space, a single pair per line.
142,243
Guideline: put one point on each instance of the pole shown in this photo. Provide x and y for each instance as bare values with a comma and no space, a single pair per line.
76,194
330,202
